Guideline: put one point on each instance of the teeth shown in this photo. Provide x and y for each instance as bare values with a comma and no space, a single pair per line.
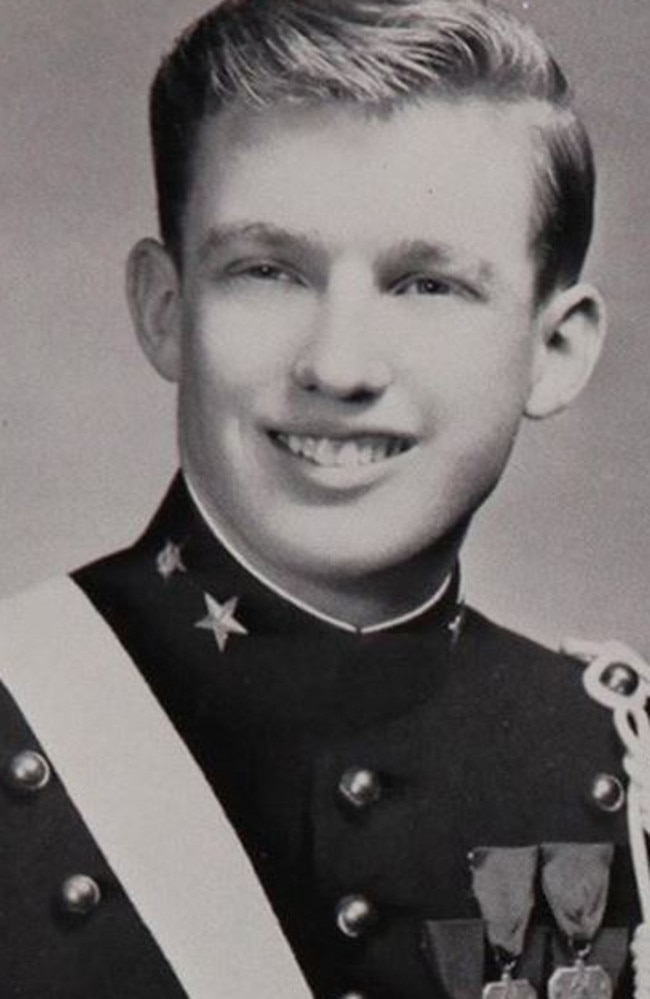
348,455
330,452
326,452
309,446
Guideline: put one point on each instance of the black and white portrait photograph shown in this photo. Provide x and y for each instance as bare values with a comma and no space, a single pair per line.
324,499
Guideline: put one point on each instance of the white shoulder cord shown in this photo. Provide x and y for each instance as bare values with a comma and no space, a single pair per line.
618,678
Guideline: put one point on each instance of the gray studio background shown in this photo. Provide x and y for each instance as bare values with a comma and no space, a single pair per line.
86,429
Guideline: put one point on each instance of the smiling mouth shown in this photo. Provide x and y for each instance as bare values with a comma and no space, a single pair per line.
346,452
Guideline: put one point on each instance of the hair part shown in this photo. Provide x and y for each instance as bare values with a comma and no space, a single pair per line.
377,53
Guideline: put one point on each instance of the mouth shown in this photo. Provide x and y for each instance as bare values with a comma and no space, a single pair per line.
342,452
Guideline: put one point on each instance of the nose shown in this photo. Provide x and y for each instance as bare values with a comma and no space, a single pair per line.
340,359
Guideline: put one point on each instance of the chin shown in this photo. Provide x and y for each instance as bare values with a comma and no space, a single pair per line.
342,558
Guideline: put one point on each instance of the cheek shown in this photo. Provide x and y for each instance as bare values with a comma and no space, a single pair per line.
240,343
219,365
474,389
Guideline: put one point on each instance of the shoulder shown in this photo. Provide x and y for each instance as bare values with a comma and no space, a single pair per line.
531,671
489,638
589,677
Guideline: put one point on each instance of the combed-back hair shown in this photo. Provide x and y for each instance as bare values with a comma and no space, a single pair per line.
378,53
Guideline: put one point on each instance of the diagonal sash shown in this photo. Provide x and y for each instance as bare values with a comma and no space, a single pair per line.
143,797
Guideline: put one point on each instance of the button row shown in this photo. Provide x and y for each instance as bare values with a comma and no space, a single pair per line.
29,771
361,787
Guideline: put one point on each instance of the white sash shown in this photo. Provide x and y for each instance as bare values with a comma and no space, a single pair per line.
143,798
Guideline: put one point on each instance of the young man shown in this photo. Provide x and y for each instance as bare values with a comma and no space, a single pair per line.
373,222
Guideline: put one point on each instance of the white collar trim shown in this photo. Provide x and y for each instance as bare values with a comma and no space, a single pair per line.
368,629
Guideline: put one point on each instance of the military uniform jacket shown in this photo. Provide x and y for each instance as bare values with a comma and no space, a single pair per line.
360,771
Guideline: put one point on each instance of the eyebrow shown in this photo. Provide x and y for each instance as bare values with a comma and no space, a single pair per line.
271,236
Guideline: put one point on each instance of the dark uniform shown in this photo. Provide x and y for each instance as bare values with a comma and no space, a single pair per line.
359,770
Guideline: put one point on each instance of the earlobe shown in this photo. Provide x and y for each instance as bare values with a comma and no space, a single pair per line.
571,332
153,296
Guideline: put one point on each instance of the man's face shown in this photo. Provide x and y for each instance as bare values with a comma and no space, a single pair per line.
358,326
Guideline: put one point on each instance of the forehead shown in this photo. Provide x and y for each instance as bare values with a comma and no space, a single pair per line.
457,171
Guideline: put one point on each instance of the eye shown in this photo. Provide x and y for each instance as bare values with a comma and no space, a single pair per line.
267,272
263,271
421,285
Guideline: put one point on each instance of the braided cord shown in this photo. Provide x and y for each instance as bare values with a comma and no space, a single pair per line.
628,701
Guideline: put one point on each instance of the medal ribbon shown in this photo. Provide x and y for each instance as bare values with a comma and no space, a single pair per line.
575,881
503,884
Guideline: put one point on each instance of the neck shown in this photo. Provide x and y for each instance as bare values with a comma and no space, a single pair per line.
360,601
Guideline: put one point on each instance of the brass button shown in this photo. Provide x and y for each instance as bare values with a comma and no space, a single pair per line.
352,995
354,915
360,787
28,771
80,894
607,792
620,678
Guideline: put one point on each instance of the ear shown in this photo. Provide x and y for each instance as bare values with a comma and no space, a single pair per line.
570,334
152,290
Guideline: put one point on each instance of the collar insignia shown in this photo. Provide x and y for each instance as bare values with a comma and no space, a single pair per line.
455,626
221,620
169,560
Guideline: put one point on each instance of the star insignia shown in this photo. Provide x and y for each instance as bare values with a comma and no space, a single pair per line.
221,620
169,560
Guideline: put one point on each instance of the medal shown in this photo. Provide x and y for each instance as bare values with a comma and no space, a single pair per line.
502,881
509,987
582,981
575,880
